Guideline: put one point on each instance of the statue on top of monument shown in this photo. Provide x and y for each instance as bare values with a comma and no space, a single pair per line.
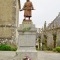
28,7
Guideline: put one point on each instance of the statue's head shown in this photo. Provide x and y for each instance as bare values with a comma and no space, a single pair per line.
28,0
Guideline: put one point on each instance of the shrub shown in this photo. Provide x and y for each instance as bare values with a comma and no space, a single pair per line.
13,48
5,47
57,49
54,50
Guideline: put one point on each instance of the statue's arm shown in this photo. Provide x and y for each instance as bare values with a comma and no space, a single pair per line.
32,6
23,7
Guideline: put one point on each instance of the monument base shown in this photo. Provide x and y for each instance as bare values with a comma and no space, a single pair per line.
31,55
27,41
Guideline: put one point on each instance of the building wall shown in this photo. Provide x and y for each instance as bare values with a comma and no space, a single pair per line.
49,39
58,38
9,10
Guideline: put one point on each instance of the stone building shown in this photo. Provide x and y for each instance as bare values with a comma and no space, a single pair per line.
52,33
9,14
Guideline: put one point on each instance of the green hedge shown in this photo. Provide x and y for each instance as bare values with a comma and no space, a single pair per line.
5,47
57,49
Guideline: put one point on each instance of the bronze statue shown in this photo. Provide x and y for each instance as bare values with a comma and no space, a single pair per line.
28,7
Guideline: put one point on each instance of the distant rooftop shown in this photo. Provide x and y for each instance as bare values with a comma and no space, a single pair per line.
55,23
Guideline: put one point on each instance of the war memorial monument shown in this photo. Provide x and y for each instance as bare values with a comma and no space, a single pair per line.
23,37
27,35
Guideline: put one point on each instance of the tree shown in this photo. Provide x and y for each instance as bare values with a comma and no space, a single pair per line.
39,40
54,38
45,37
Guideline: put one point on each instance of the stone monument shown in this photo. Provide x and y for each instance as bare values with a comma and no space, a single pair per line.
27,36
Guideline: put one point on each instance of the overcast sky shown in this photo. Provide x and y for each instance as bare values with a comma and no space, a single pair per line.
45,10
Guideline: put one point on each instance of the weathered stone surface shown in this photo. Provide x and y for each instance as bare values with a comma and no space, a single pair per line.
9,13
42,55
27,35
27,40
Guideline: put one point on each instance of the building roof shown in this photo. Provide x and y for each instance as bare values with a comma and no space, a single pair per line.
55,23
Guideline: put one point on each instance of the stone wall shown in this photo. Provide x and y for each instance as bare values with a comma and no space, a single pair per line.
9,12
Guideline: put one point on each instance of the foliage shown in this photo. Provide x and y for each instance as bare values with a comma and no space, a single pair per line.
36,47
54,38
45,36
57,49
26,29
5,47
49,49
54,49
44,42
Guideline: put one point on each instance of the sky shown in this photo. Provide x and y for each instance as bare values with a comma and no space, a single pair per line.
45,10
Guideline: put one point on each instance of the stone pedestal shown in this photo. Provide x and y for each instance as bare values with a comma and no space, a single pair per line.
27,41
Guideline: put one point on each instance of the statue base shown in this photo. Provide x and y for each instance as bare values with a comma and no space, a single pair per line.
27,40
27,21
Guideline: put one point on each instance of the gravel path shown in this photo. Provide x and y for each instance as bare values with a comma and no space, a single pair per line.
42,55
45,55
